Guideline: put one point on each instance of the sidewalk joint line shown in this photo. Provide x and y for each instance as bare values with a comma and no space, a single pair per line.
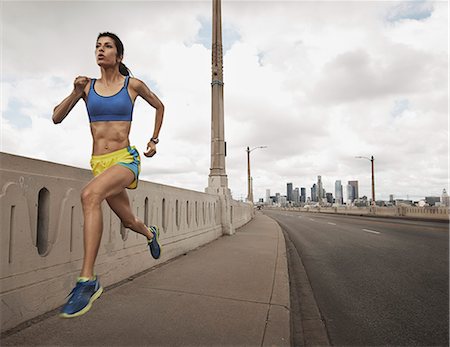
209,295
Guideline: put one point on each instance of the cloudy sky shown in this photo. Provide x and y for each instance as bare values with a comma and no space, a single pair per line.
316,82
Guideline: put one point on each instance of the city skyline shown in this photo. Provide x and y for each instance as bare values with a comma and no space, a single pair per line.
346,194
312,81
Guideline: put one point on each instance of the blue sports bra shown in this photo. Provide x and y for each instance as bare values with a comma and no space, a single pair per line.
117,107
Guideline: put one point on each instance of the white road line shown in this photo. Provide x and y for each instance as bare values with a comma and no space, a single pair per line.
331,223
372,231
311,219
299,217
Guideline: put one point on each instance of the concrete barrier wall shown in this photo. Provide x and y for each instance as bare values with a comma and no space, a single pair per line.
431,213
41,235
241,213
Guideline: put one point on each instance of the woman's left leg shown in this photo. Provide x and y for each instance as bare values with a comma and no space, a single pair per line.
88,289
109,183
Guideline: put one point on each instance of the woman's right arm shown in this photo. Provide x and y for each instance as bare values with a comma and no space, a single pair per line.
62,110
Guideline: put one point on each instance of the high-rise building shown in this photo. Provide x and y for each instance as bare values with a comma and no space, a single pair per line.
289,192
329,197
320,193
445,200
296,196
277,198
268,200
354,193
338,193
391,198
314,193
303,195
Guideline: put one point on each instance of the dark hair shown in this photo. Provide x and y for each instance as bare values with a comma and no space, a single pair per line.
119,45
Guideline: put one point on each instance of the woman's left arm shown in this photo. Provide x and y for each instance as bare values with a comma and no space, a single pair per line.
143,91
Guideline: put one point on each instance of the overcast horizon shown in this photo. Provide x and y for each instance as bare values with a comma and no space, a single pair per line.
318,83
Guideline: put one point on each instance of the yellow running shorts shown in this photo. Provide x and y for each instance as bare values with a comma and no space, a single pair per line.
128,157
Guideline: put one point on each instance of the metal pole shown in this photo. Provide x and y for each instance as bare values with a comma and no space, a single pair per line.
250,183
373,180
372,159
217,175
248,173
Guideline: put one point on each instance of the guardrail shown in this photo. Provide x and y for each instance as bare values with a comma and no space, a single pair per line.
41,235
431,213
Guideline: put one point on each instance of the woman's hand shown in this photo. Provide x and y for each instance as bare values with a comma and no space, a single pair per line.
79,84
62,110
151,149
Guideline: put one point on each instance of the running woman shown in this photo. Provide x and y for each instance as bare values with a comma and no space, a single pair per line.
115,164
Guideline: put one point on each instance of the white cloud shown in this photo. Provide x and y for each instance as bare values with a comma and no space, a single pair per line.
316,82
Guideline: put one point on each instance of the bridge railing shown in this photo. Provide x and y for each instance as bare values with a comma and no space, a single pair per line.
429,212
41,236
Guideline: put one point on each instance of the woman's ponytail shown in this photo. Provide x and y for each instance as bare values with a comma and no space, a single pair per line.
124,70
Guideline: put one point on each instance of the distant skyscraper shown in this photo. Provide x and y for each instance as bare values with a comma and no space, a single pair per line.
391,197
314,193
350,197
445,200
303,195
329,197
268,201
353,190
296,196
289,192
277,200
338,193
320,194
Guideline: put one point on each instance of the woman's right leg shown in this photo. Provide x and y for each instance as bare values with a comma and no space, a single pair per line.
120,204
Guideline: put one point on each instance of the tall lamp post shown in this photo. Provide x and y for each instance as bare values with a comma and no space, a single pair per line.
250,186
371,159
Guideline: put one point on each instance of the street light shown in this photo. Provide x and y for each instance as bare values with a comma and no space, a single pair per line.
373,176
250,188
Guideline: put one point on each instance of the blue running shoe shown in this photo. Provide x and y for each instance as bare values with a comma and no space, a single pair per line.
153,244
81,298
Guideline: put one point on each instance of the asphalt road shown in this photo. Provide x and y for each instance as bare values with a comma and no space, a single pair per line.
376,281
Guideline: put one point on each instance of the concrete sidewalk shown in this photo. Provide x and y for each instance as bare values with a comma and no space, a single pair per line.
232,291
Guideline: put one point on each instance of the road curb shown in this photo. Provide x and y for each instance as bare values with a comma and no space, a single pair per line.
307,324
357,215
278,326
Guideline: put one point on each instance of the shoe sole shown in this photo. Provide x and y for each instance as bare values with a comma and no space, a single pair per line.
157,241
85,309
